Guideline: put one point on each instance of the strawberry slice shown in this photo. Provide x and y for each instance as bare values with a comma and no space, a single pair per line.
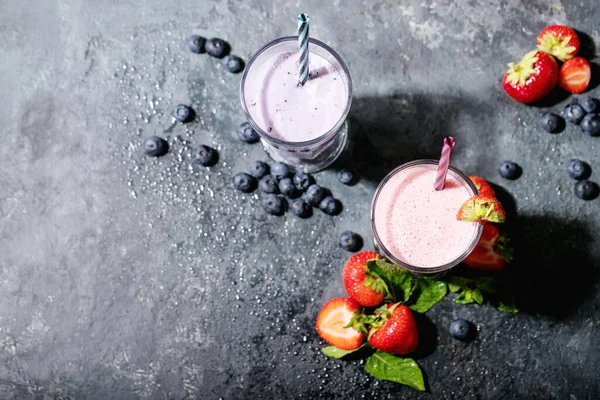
338,325
483,187
532,78
492,252
559,40
481,208
574,75
363,286
394,330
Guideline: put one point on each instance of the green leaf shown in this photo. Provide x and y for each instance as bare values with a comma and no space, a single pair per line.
465,297
509,308
478,296
453,287
486,284
429,291
387,367
398,279
336,352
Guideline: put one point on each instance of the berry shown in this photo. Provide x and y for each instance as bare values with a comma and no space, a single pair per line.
287,188
481,208
558,40
363,286
279,170
302,181
345,176
268,184
573,113
274,204
330,206
301,209
233,64
196,44
590,105
550,122
574,75
216,47
532,78
155,146
247,134
350,241
590,124
244,182
587,190
183,113
258,169
462,330
314,194
578,169
483,187
333,320
492,251
510,170
206,156
395,330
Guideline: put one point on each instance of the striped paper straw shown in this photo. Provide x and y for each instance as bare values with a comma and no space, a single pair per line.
444,164
302,49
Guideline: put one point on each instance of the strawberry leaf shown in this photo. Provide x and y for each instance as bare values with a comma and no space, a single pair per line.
397,279
428,292
336,352
387,367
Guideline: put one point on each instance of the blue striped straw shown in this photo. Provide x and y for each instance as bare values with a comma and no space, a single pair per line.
302,49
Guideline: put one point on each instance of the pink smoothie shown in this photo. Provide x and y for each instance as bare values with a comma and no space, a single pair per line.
418,224
290,112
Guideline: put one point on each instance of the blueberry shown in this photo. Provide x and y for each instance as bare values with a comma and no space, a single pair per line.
247,134
550,122
196,44
233,64
286,187
302,181
274,204
345,176
314,194
587,190
591,124
509,170
216,47
244,182
578,169
155,146
350,241
183,113
590,105
206,156
330,206
268,184
573,113
462,330
258,169
301,209
279,170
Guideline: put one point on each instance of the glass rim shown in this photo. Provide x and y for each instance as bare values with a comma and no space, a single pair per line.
389,255
317,140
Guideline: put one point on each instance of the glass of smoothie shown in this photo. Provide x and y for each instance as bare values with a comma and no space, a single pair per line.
415,226
303,126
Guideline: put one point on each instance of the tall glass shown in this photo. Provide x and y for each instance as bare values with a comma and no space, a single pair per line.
303,126
415,226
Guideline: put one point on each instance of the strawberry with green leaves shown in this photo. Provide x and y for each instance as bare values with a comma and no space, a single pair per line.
492,252
532,78
394,329
481,208
363,286
558,40
339,323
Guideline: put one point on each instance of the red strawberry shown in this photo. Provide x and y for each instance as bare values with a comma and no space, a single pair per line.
532,78
483,187
559,40
574,75
337,321
492,250
394,330
363,286
481,208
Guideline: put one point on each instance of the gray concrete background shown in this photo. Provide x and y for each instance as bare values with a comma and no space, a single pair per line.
124,277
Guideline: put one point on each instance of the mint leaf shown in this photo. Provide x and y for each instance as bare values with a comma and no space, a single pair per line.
398,280
387,367
465,297
453,287
428,291
336,352
486,284
509,308
478,296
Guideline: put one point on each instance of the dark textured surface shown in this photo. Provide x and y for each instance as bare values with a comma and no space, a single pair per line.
124,277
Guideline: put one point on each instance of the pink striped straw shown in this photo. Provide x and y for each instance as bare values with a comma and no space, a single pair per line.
444,164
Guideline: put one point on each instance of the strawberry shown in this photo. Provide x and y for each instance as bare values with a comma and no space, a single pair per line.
492,250
394,330
483,187
363,286
338,323
559,40
532,78
481,208
574,75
